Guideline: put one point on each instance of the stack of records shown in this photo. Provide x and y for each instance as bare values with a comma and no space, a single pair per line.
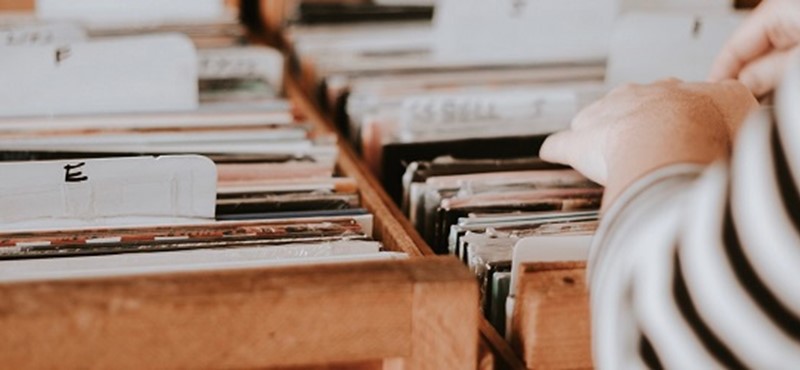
129,150
454,138
450,111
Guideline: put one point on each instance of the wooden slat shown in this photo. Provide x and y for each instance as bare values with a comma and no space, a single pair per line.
259,318
505,357
485,357
551,324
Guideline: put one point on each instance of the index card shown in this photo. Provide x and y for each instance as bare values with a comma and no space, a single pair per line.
130,12
543,31
548,249
52,194
651,46
132,74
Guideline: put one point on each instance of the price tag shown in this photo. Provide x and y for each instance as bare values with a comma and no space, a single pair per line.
651,46
57,192
41,34
130,11
524,30
136,74
242,62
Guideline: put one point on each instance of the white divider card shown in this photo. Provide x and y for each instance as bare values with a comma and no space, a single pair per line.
524,30
548,249
242,62
678,5
651,46
94,192
129,12
41,34
543,249
153,73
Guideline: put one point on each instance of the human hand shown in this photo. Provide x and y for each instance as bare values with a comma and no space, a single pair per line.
636,129
758,51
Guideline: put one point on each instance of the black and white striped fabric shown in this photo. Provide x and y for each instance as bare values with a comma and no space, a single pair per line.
700,268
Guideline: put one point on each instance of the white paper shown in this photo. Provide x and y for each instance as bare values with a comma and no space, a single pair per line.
515,112
510,302
52,193
524,30
41,34
130,11
133,74
421,113
548,249
242,62
651,46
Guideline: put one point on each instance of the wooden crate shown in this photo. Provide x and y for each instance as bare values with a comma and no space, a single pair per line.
412,314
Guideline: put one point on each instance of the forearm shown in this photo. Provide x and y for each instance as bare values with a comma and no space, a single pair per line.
703,273
644,221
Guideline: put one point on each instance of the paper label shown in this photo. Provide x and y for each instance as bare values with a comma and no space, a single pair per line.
127,11
243,62
524,30
122,75
458,111
651,46
41,34
94,189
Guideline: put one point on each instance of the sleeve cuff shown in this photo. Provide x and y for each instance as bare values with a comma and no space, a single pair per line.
643,196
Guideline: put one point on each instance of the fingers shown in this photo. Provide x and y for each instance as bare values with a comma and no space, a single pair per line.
763,74
773,25
557,148
748,42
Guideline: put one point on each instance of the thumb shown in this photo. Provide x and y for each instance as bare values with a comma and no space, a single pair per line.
556,147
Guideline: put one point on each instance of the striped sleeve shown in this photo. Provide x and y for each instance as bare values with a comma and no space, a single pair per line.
700,268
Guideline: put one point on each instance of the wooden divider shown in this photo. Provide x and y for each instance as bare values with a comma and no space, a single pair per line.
413,314
551,324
